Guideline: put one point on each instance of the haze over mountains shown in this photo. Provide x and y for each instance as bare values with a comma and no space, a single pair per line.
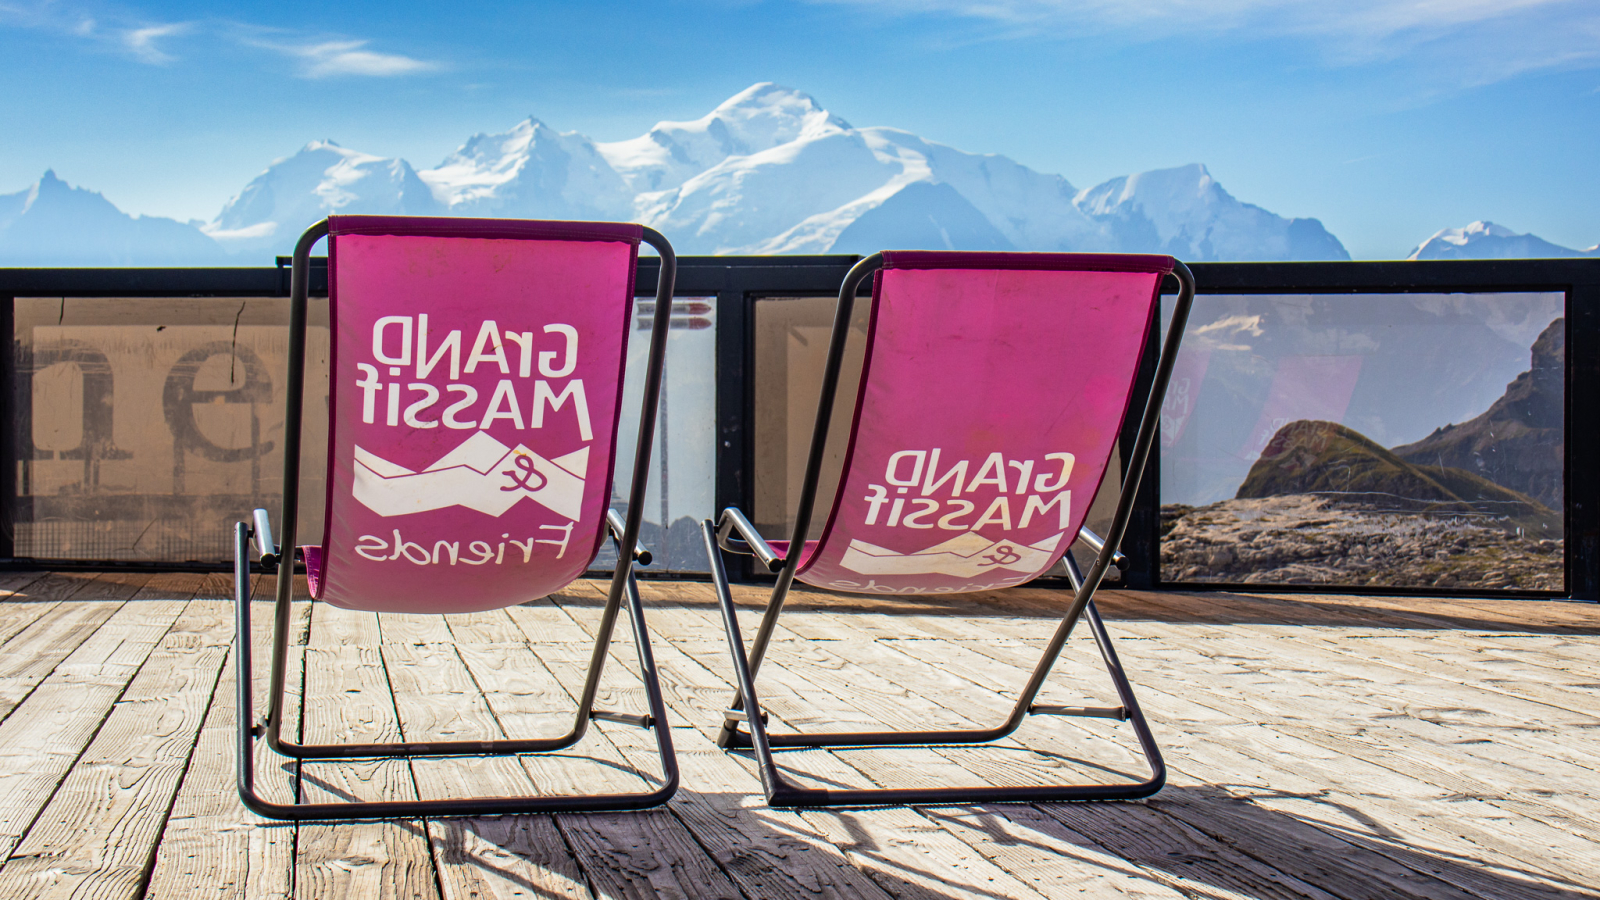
769,171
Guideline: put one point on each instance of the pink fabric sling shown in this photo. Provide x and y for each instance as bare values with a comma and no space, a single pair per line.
477,377
991,398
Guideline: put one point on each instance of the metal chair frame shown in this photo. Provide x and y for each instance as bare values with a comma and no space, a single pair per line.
275,557
746,706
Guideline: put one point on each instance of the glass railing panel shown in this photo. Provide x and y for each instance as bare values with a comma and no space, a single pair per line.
145,427
683,461
1386,440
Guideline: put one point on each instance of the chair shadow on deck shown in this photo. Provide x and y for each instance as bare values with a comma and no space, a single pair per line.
1200,840
1206,832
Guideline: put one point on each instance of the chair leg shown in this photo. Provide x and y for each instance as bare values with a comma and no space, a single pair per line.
250,731
781,792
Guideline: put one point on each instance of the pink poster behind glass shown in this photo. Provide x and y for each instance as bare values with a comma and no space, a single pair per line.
475,393
1304,387
992,401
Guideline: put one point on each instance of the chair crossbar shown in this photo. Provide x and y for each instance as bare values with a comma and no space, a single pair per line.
269,729
781,792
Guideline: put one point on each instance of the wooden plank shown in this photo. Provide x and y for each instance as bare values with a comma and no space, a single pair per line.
212,845
639,854
348,699
97,836
1335,733
505,856
35,650
1335,860
906,767
1209,867
906,853
21,602
40,744
768,853
13,586
1428,705
786,666
1437,659
1368,783
1054,859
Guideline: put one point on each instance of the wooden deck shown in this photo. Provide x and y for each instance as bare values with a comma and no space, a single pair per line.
1320,747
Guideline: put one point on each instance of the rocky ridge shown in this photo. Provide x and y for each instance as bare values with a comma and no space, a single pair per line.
1517,442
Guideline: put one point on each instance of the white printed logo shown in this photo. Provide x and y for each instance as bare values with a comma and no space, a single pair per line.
967,556
481,473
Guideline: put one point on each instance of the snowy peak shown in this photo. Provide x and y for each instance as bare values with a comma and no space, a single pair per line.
322,179
1486,240
765,115
1186,213
757,118
531,171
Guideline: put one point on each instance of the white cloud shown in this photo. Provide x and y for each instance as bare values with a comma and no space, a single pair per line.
1500,37
141,42
318,56
1371,18
330,58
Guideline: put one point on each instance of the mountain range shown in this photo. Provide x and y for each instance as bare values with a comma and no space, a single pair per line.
769,171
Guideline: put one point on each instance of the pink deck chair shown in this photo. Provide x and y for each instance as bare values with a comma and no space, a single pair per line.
476,387
994,389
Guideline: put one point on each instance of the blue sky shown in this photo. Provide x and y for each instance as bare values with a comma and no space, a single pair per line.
1386,120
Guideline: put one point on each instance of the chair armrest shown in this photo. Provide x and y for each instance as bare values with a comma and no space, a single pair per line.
641,553
266,547
1098,543
753,544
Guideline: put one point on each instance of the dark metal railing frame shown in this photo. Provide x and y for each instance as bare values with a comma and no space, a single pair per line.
739,283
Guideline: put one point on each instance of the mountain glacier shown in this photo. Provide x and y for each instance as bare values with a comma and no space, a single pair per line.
769,171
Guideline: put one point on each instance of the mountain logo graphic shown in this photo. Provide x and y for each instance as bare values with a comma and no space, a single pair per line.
481,473
968,556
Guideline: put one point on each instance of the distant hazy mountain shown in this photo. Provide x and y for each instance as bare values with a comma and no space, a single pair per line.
1185,213
323,178
54,224
767,171
1486,240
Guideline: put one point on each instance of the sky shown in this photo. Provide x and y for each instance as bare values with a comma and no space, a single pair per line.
1386,120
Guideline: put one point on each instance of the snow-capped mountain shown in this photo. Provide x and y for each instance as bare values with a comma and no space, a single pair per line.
1486,240
1185,213
52,223
269,214
530,172
757,118
771,171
